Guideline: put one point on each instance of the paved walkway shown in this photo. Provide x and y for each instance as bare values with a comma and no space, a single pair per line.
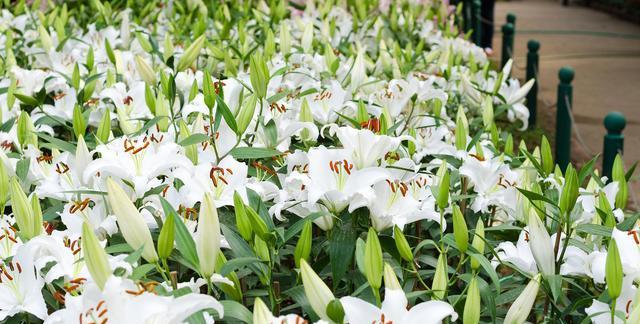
603,50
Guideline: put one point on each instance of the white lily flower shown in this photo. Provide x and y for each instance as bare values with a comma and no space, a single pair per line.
126,302
394,309
21,287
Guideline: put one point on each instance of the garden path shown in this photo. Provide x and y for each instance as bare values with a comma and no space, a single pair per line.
604,51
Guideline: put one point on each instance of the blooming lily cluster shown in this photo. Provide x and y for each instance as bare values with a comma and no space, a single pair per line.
283,162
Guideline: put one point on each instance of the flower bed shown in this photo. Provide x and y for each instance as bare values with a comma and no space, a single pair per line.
276,162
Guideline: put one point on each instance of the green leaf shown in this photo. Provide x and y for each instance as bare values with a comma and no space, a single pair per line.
240,249
27,100
58,144
235,310
22,168
594,229
226,113
184,241
237,263
486,265
341,248
141,270
246,153
194,139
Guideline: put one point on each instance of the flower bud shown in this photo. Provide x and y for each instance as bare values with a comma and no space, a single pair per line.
521,307
541,246
45,38
335,311
613,270
402,245
318,294
190,54
440,278
75,77
373,259
460,135
460,230
4,186
208,236
307,38
146,72
79,123
131,223
123,120
261,248
23,213
478,243
257,223
245,115
242,220
26,130
261,313
269,44
472,304
104,128
285,39
303,247
330,59
390,279
546,156
487,112
144,42
191,151
618,175
442,197
569,194
259,75
508,145
166,237
162,110
94,256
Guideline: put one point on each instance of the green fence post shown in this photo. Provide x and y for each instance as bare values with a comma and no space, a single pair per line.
507,43
532,71
466,15
563,119
477,21
614,122
511,18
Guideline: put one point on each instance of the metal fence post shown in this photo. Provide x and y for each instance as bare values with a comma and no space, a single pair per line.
614,122
507,43
511,18
563,119
532,71
477,21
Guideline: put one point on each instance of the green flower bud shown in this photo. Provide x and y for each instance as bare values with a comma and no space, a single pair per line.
373,265
285,39
245,115
540,244
190,54
89,61
23,212
335,311
104,128
617,173
166,237
123,120
478,243
460,230
546,156
259,75
208,90
508,145
79,123
613,270
26,130
4,186
472,304
261,314
521,307
207,236
390,279
440,278
162,110
131,223
442,197
242,220
317,292
402,245
168,49
110,54
75,77
191,151
45,38
145,71
269,44
94,256
144,42
257,224
303,247
487,112
570,193
461,135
